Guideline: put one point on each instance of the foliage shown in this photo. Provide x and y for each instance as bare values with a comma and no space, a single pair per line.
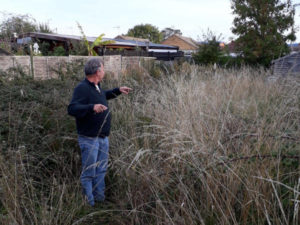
203,147
97,42
59,51
263,28
44,28
44,48
168,32
146,31
209,51
78,48
14,25
19,24
6,46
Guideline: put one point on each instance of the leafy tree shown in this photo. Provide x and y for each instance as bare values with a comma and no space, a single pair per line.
44,28
168,32
19,24
97,42
209,51
263,27
146,31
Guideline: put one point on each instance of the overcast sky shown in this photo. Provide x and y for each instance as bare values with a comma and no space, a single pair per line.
192,17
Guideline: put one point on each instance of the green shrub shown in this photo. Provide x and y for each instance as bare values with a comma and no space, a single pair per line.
59,51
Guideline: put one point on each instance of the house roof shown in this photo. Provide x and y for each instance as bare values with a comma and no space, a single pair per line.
292,56
293,45
188,40
55,37
143,44
128,38
287,65
25,38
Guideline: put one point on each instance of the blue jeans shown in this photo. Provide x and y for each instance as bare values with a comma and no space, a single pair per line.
94,155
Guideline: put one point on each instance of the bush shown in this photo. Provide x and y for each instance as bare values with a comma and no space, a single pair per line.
78,48
44,47
59,51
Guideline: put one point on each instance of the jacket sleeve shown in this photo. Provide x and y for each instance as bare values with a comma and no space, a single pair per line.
113,93
79,106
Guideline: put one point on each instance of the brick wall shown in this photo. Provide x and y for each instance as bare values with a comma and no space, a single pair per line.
176,41
46,67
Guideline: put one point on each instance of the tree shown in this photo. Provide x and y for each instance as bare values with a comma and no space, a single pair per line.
146,31
209,51
13,25
44,28
263,28
97,42
19,24
168,32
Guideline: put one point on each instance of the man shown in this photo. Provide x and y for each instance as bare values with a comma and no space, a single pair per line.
90,108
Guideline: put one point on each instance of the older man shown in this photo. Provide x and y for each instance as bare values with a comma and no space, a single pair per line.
90,108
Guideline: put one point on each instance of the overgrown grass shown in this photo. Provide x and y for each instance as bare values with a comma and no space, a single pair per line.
197,146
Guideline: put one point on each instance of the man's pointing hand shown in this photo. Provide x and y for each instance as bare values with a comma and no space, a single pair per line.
125,90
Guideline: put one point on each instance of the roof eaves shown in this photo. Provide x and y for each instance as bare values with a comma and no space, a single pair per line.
283,58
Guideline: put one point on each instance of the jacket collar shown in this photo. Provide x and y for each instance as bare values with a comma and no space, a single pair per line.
90,83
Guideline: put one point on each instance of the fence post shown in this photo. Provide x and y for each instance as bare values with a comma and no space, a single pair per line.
31,61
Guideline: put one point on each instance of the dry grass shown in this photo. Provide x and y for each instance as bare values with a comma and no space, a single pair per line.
196,147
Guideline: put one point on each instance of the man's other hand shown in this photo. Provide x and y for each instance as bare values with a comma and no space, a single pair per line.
98,108
125,90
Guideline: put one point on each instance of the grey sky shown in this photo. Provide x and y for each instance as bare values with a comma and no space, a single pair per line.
192,17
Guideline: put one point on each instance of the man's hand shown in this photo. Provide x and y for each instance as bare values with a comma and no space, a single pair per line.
125,90
98,108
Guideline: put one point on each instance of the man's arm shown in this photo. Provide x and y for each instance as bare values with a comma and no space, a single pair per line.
113,93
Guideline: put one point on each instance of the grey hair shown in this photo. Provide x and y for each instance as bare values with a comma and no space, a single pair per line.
92,65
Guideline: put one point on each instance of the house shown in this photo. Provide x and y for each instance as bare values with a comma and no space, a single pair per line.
185,44
54,40
287,65
140,48
128,46
294,47
128,38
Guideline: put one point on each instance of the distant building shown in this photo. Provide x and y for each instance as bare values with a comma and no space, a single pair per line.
185,44
128,38
294,47
121,45
287,65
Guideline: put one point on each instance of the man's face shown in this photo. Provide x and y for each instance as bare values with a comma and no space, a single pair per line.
100,73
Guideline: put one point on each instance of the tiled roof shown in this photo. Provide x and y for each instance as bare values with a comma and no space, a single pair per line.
188,40
128,38
287,65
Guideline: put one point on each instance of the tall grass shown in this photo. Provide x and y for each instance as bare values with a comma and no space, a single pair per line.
198,146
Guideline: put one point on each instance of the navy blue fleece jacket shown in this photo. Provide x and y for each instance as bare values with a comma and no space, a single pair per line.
84,98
